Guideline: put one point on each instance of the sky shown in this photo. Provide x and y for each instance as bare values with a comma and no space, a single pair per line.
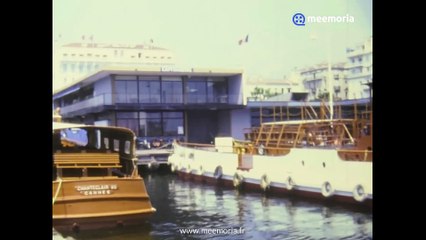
206,33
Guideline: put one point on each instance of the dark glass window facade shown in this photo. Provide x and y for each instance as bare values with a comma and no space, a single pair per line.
169,89
172,91
207,90
217,90
126,90
150,124
196,90
149,90
128,120
153,124
173,123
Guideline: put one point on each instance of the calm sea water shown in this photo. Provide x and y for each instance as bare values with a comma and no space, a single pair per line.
187,205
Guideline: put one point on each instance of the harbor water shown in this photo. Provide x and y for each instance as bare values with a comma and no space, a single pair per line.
192,210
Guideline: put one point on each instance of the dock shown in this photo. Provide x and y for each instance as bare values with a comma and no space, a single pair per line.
153,158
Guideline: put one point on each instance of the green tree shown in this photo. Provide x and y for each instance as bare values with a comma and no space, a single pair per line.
323,96
261,92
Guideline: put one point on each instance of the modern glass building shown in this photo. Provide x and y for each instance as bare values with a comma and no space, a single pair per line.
194,105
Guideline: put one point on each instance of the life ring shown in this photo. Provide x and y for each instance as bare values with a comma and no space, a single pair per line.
359,193
264,182
289,183
75,227
261,149
327,190
237,180
218,172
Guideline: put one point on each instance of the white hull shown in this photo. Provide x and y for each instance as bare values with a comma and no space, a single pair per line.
306,170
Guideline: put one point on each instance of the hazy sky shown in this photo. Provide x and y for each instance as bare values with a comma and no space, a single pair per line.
205,33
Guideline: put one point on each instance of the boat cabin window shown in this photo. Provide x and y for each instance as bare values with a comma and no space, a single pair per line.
106,143
127,147
116,145
74,136
98,139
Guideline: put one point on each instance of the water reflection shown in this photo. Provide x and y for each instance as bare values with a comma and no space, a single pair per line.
182,204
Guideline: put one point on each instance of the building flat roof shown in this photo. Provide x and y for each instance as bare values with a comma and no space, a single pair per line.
109,45
163,71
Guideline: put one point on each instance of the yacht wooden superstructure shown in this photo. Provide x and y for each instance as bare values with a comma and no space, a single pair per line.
95,178
317,157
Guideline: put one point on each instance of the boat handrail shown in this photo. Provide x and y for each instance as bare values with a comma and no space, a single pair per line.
87,160
355,155
188,144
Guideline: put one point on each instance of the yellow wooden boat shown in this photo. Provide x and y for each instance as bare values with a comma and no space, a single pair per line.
96,183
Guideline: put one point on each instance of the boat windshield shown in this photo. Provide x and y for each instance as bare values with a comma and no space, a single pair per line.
85,151
75,136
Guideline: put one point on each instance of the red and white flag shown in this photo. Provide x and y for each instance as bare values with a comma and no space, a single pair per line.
244,40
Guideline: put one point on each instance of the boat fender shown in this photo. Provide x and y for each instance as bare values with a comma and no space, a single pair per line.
264,182
237,179
327,190
188,169
218,172
261,149
75,227
120,224
289,183
201,170
359,193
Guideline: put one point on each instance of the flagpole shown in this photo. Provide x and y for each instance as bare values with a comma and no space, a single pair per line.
330,79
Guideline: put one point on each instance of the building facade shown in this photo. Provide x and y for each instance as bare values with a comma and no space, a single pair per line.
195,105
351,79
74,61
315,81
257,88
360,70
